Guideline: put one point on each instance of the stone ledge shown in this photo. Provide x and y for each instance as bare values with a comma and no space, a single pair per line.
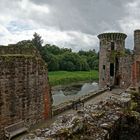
68,105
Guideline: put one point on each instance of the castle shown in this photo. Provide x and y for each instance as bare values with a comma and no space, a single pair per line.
117,68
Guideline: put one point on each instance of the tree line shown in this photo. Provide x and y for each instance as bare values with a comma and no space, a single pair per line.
64,59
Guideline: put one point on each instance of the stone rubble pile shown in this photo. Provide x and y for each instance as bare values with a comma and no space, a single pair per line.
95,122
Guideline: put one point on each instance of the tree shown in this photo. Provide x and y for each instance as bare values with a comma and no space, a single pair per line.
37,41
84,66
53,63
50,59
73,62
64,59
52,49
91,57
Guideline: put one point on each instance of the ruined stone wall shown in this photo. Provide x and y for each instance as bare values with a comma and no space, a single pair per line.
135,74
125,71
103,73
21,48
24,89
137,42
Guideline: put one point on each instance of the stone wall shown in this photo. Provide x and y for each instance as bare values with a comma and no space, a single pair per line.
24,89
125,71
135,75
103,74
21,48
69,105
137,42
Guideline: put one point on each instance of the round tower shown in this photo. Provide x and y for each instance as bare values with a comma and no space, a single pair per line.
137,41
112,45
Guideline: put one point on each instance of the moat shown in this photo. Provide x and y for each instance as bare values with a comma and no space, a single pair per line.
66,93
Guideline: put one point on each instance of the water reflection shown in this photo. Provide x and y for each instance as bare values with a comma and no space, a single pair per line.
63,94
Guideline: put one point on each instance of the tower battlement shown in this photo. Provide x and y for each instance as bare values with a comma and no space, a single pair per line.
112,36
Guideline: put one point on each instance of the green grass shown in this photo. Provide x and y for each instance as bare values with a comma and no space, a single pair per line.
65,77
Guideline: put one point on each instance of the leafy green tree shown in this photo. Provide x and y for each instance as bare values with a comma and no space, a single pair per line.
67,65
52,49
56,50
53,63
84,65
87,53
91,61
96,64
73,62
51,60
37,41
91,57
64,59
64,50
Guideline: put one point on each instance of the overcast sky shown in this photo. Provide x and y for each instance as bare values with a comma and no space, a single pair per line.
68,23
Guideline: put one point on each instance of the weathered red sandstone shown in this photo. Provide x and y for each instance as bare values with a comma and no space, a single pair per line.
117,68
24,89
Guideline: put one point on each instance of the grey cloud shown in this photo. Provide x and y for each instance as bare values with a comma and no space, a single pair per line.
90,16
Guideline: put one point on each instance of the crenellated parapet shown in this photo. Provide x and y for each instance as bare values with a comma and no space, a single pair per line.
112,36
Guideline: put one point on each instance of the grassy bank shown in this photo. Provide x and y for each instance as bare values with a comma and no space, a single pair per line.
65,77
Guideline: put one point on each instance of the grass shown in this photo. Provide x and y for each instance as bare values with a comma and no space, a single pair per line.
65,77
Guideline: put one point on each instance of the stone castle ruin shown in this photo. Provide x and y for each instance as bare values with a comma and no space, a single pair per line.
24,90
116,68
25,93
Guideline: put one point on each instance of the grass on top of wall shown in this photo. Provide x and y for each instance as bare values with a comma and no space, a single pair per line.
66,77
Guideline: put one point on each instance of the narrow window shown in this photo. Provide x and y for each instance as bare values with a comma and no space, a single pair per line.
103,76
117,63
139,71
111,69
112,45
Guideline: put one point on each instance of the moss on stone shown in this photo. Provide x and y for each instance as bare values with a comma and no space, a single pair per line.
23,47
113,54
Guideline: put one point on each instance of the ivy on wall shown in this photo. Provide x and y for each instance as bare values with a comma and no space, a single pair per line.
113,54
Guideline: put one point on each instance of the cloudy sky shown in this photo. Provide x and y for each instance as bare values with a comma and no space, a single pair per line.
67,23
